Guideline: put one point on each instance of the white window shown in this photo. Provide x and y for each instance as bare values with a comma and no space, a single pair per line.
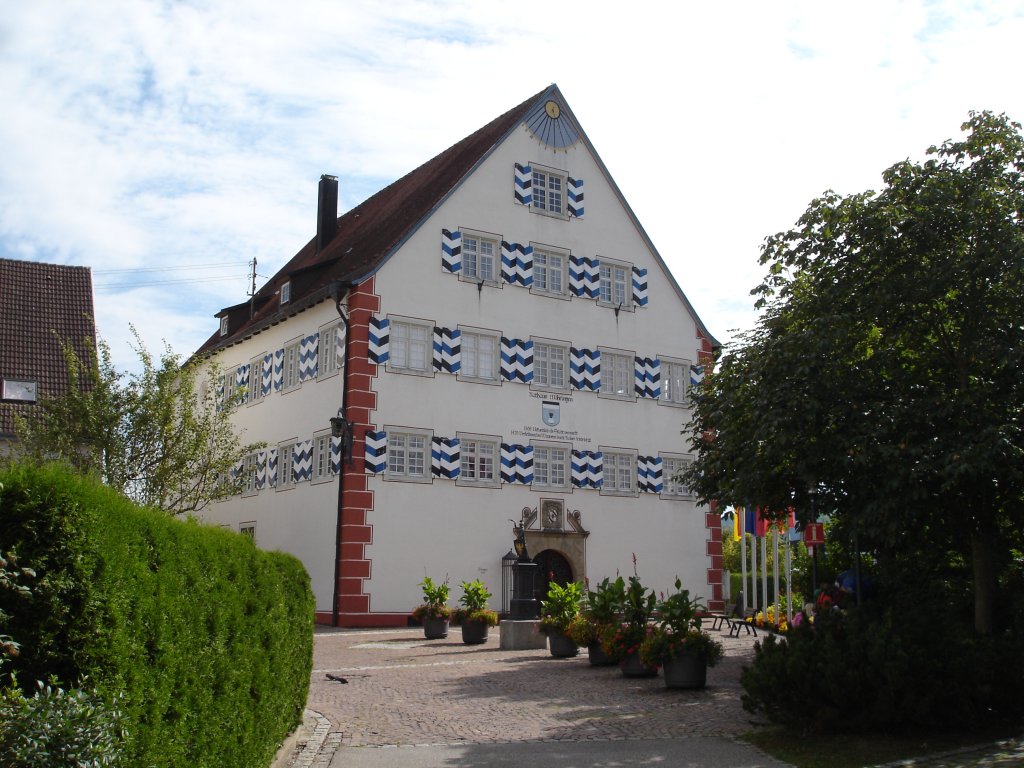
548,271
285,475
617,375
411,347
675,381
550,466
408,456
615,284
248,529
672,485
478,459
290,365
286,292
548,191
228,395
550,364
479,355
224,326
322,457
20,390
249,467
330,361
256,379
478,257
619,473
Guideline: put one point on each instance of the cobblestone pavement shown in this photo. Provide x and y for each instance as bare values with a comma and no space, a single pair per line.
403,690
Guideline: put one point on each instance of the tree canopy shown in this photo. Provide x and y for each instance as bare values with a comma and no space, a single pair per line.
883,382
153,435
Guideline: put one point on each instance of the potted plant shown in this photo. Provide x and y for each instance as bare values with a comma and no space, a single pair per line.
678,643
622,641
473,614
603,609
557,614
434,612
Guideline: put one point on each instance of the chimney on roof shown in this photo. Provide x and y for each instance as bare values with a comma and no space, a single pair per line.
327,211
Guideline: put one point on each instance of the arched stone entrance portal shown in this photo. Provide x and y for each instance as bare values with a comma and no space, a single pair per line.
553,566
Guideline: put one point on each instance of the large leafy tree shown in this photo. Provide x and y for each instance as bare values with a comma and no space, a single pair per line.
884,381
155,435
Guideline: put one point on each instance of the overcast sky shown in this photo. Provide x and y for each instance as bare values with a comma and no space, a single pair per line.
144,135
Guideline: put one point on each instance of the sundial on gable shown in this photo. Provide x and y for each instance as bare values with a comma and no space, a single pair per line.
551,122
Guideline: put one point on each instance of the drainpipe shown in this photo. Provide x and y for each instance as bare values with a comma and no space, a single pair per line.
339,291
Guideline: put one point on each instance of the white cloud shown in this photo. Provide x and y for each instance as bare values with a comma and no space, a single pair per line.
143,134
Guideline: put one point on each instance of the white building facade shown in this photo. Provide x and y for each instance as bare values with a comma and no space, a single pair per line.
506,344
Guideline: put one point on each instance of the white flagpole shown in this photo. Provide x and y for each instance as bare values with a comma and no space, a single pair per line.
789,580
743,561
764,572
775,574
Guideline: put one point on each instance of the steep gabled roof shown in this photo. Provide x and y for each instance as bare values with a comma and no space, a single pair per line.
42,306
369,233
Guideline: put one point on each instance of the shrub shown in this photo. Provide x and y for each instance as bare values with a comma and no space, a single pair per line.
435,600
473,605
208,639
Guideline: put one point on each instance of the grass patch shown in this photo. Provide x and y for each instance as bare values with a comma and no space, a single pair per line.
860,750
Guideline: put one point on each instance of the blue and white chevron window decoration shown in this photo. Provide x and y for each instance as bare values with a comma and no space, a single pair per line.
517,464
335,455
517,264
261,470
517,360
447,350
376,454
242,382
444,457
379,331
696,376
584,277
267,375
302,461
308,349
524,184
647,372
451,251
272,467
649,474
639,287
575,192
585,369
236,470
587,469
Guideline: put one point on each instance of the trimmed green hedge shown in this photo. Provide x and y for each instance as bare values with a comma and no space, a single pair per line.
209,638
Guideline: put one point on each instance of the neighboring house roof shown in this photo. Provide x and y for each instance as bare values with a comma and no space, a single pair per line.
42,306
368,234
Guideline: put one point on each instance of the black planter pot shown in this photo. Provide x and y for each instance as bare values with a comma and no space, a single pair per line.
598,658
562,646
435,629
631,666
475,632
687,670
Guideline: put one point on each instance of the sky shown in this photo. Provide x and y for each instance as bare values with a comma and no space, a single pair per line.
167,144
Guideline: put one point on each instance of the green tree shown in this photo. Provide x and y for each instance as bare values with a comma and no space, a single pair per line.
157,435
882,383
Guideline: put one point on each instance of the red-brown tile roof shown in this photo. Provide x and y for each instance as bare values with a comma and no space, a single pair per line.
368,233
41,306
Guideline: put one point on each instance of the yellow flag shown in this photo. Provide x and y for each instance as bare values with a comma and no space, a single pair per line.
735,525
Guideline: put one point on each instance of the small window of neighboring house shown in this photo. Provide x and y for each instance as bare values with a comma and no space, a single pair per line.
286,292
20,390
322,457
615,286
479,255
550,467
619,472
550,362
249,467
479,459
224,326
408,455
617,375
549,273
256,379
290,366
285,474
248,529
330,361
411,347
675,382
672,486
549,192
480,353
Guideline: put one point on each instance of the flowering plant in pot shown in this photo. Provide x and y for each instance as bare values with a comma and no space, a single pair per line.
433,612
678,643
621,642
603,609
473,614
557,614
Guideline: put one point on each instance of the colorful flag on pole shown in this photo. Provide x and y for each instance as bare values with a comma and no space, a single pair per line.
735,525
